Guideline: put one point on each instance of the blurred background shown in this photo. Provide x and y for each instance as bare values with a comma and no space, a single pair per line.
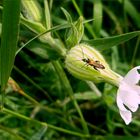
43,100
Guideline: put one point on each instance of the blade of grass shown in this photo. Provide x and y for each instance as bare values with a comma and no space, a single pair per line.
132,11
46,108
33,83
97,12
10,27
7,111
58,27
18,89
114,55
114,18
135,51
55,28
69,90
108,42
89,28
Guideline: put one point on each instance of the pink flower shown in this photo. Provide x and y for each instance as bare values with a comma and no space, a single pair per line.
128,95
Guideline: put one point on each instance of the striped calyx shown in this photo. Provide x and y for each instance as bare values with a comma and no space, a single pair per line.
86,63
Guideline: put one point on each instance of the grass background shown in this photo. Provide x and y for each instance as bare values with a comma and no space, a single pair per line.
42,100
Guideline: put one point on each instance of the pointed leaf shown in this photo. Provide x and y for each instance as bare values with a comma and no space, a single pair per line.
68,16
108,42
10,26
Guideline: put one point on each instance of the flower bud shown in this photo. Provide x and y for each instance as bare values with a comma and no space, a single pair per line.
86,63
75,33
32,10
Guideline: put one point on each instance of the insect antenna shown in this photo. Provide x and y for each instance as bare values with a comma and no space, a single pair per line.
80,59
84,59
82,53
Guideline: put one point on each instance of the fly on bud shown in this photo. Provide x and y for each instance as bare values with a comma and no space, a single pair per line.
86,63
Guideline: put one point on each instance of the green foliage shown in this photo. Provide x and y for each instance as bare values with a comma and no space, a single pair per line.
43,100
106,43
9,39
98,15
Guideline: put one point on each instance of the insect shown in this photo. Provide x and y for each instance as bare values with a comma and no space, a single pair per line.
96,64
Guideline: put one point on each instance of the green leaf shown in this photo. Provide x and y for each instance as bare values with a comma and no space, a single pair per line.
10,27
0,29
68,16
121,138
88,95
108,42
132,11
55,28
98,10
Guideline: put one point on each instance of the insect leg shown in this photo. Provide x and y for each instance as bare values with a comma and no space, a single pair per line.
95,68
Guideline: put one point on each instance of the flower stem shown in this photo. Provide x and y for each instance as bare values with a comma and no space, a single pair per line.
69,90
7,111
94,88
89,28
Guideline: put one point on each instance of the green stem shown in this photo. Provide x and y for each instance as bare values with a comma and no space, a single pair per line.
68,89
33,83
89,28
113,18
77,8
37,103
9,38
11,132
135,51
94,88
7,111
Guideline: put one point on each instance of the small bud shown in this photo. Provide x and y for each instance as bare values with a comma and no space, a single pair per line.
80,28
32,10
86,63
75,33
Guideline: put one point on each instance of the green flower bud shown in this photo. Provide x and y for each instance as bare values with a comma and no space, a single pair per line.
32,10
75,34
86,63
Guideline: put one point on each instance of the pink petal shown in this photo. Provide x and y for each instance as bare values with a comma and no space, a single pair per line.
126,116
132,76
